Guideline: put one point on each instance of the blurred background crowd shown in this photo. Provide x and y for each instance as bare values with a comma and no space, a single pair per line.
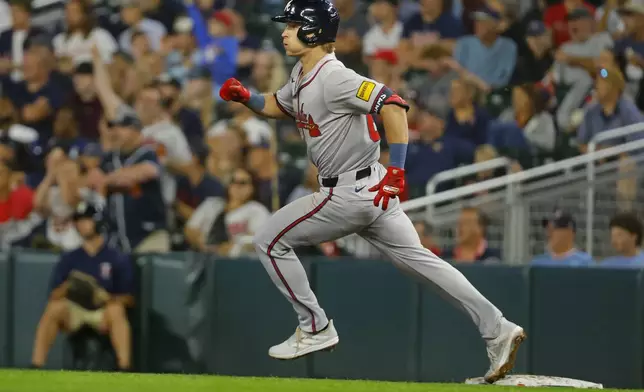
531,80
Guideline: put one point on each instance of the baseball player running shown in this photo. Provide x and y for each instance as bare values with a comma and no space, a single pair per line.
332,107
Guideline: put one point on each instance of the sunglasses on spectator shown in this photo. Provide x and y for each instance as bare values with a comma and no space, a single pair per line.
240,181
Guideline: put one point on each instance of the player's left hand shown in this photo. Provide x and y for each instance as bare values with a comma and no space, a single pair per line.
392,185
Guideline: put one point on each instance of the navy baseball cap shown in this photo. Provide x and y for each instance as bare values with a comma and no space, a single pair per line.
126,118
92,150
167,79
560,220
486,13
535,28
579,13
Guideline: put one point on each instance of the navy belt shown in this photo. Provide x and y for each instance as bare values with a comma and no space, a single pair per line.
330,182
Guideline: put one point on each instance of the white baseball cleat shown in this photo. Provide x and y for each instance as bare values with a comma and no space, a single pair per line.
302,343
502,350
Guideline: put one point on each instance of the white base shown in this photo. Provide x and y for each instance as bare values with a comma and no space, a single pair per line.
526,380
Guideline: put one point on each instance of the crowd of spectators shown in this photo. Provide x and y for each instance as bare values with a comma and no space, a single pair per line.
118,102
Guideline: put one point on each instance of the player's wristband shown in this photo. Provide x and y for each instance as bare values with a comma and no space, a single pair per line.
397,154
256,102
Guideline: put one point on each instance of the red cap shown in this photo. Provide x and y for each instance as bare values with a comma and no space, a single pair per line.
389,56
223,17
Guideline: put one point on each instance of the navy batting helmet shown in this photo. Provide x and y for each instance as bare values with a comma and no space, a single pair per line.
319,20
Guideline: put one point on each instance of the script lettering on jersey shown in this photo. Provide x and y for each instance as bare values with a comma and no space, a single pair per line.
305,123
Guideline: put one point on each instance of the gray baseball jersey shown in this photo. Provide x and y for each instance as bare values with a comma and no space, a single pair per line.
330,105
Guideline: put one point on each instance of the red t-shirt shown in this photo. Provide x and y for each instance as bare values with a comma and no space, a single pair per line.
18,205
555,19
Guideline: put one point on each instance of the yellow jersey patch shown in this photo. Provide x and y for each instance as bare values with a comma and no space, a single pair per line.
365,90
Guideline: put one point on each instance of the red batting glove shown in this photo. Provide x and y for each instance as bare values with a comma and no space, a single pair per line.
233,90
389,187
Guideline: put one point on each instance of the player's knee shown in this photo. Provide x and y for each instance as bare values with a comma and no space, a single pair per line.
261,241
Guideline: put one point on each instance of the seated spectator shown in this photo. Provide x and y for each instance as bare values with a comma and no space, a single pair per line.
222,226
41,94
424,231
180,60
631,46
527,127
91,286
466,120
310,184
13,42
435,85
485,54
130,177
575,63
257,131
249,45
556,18
262,165
432,25
198,182
218,48
533,64
353,27
471,245
133,17
198,95
386,32
227,152
268,73
66,134
433,153
16,204
163,11
85,103
626,238
383,68
187,119
612,110
81,34
561,251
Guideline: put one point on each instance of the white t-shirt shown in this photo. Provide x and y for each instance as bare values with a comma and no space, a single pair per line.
241,223
376,39
171,146
257,131
79,47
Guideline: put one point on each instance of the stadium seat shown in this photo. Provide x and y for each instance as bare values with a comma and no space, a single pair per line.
91,351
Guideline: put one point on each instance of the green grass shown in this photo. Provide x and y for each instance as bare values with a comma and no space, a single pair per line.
55,381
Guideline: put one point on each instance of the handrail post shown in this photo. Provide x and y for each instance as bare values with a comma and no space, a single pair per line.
590,198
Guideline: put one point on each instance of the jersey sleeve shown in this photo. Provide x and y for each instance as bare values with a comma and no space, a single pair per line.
284,99
347,92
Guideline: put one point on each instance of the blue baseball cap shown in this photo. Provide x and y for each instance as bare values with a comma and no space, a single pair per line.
486,13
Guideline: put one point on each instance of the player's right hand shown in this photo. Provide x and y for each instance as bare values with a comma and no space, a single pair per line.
233,90
392,185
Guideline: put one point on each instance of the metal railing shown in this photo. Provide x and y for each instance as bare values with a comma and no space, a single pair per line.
590,195
465,171
510,188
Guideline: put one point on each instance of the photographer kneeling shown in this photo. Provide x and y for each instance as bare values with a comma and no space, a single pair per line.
91,286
